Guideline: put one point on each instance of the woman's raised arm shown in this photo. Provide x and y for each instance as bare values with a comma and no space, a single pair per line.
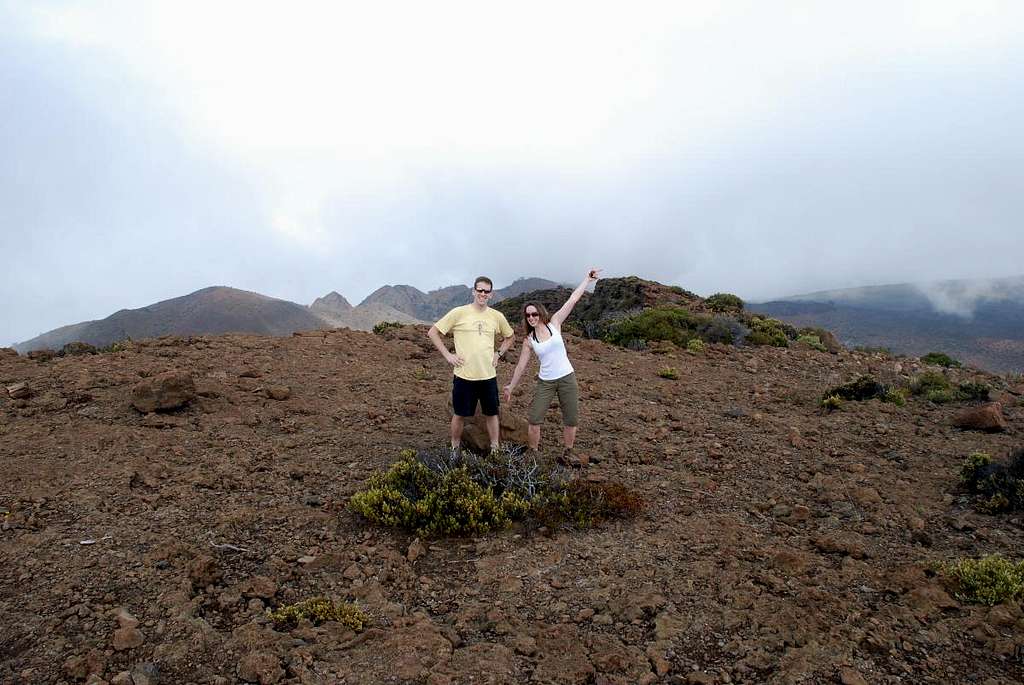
563,313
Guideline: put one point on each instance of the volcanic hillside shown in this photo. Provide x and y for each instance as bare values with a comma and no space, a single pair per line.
778,543
213,310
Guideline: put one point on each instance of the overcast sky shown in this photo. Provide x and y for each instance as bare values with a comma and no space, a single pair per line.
149,149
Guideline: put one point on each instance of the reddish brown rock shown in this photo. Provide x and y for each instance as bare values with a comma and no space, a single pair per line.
169,390
513,429
985,417
127,638
260,667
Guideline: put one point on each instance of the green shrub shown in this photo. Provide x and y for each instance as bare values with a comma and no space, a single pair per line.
669,372
724,302
930,381
383,326
940,359
831,402
411,496
989,580
319,610
940,396
862,388
973,392
812,341
437,493
669,323
721,329
897,396
695,346
999,485
767,331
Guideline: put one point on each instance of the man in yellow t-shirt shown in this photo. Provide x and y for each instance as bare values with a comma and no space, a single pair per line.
474,327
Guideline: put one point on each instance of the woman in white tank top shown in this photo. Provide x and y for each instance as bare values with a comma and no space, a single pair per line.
556,376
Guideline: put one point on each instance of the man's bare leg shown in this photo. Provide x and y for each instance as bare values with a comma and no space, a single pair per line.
493,430
533,436
568,436
456,430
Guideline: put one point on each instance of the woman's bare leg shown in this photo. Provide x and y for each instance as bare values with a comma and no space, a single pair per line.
569,436
533,436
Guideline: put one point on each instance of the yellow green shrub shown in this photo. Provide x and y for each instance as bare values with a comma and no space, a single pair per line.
989,580
319,610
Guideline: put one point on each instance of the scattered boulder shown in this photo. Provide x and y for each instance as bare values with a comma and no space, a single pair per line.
163,392
513,429
42,355
127,638
985,417
278,392
8,352
260,667
73,349
19,391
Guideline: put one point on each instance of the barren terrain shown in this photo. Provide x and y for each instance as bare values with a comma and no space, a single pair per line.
778,544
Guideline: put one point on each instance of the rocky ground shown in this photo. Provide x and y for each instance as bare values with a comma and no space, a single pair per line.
778,544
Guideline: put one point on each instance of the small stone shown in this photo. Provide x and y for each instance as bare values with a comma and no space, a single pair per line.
127,638
278,392
700,678
125,619
306,560
19,391
525,645
416,550
122,678
146,673
850,676
260,667
166,391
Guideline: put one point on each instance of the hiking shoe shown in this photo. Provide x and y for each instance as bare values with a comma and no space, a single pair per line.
455,455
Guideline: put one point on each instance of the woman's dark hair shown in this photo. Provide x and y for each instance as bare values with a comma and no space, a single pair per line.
541,309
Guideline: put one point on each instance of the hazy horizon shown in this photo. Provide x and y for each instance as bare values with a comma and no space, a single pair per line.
152,149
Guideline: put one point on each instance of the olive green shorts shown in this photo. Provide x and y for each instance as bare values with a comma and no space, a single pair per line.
568,394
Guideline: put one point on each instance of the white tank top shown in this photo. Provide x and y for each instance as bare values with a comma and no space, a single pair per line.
554,361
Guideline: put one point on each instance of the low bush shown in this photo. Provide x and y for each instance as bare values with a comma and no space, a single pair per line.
989,580
831,402
437,493
928,382
669,372
695,346
724,302
383,326
894,395
972,392
669,323
935,387
812,341
768,331
860,389
319,610
1000,486
940,359
722,329
409,495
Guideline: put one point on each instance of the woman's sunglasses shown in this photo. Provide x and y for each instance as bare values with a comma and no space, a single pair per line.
530,315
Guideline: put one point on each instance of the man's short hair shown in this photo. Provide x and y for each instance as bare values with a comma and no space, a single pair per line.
484,279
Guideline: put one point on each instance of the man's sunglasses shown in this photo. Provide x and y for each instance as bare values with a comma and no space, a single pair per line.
482,291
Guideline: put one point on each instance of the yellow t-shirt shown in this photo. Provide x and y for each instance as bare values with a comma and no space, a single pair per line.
474,332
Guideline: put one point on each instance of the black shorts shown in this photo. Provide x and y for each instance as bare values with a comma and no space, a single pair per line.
465,395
